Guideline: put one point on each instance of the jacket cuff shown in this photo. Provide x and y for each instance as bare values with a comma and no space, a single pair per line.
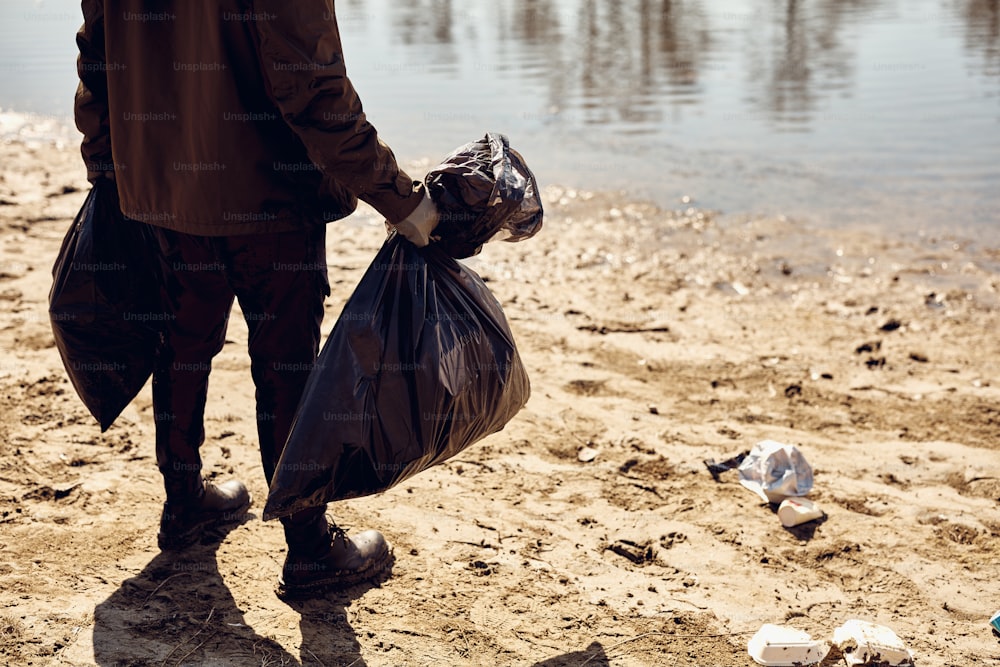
99,166
94,176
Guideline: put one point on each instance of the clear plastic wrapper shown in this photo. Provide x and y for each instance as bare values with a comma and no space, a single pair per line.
775,471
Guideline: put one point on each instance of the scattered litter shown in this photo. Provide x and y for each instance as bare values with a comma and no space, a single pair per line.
481,568
587,454
775,471
794,511
865,643
722,466
781,646
995,622
735,287
875,362
891,325
639,553
934,300
45,492
873,346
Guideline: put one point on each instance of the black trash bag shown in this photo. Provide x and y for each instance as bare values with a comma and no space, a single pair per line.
420,365
484,190
104,305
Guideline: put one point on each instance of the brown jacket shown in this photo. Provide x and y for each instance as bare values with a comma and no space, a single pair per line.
229,116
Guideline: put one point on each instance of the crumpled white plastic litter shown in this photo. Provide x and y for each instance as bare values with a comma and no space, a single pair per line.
774,471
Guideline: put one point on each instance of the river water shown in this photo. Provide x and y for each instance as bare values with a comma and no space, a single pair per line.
840,113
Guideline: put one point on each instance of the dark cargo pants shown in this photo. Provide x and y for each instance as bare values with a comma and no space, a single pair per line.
281,281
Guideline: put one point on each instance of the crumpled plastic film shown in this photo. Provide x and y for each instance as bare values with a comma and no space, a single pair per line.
774,471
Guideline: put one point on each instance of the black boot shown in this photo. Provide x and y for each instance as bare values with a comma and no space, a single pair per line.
339,562
182,525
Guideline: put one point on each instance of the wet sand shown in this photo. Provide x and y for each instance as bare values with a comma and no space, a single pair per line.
656,338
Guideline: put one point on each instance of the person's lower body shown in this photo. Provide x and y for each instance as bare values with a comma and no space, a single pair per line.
280,280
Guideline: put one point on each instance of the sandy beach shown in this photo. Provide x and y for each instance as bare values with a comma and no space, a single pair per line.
656,338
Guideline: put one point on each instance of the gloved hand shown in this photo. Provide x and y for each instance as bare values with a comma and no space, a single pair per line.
417,227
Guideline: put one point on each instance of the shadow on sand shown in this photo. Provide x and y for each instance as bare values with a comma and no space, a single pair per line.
592,656
178,611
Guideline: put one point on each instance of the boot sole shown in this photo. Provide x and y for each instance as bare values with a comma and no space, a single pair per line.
377,572
203,530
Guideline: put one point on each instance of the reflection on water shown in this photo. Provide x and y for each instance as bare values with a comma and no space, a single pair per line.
622,60
842,110
623,86
810,56
981,28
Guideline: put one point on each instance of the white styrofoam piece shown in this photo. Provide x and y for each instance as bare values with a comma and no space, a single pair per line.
780,646
863,643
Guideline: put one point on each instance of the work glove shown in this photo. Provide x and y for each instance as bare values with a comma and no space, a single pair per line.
417,227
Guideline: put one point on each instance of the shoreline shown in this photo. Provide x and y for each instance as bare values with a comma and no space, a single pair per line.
655,338
41,129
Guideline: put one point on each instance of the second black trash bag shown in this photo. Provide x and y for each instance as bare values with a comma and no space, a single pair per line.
104,305
484,190
420,365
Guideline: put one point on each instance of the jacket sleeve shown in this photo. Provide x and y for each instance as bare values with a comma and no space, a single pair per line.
303,63
91,103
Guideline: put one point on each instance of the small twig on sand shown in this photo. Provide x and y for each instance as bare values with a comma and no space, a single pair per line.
718,634
468,647
317,659
908,395
181,661
650,489
483,544
203,625
621,643
605,329
474,463
585,443
480,524
162,584
534,643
